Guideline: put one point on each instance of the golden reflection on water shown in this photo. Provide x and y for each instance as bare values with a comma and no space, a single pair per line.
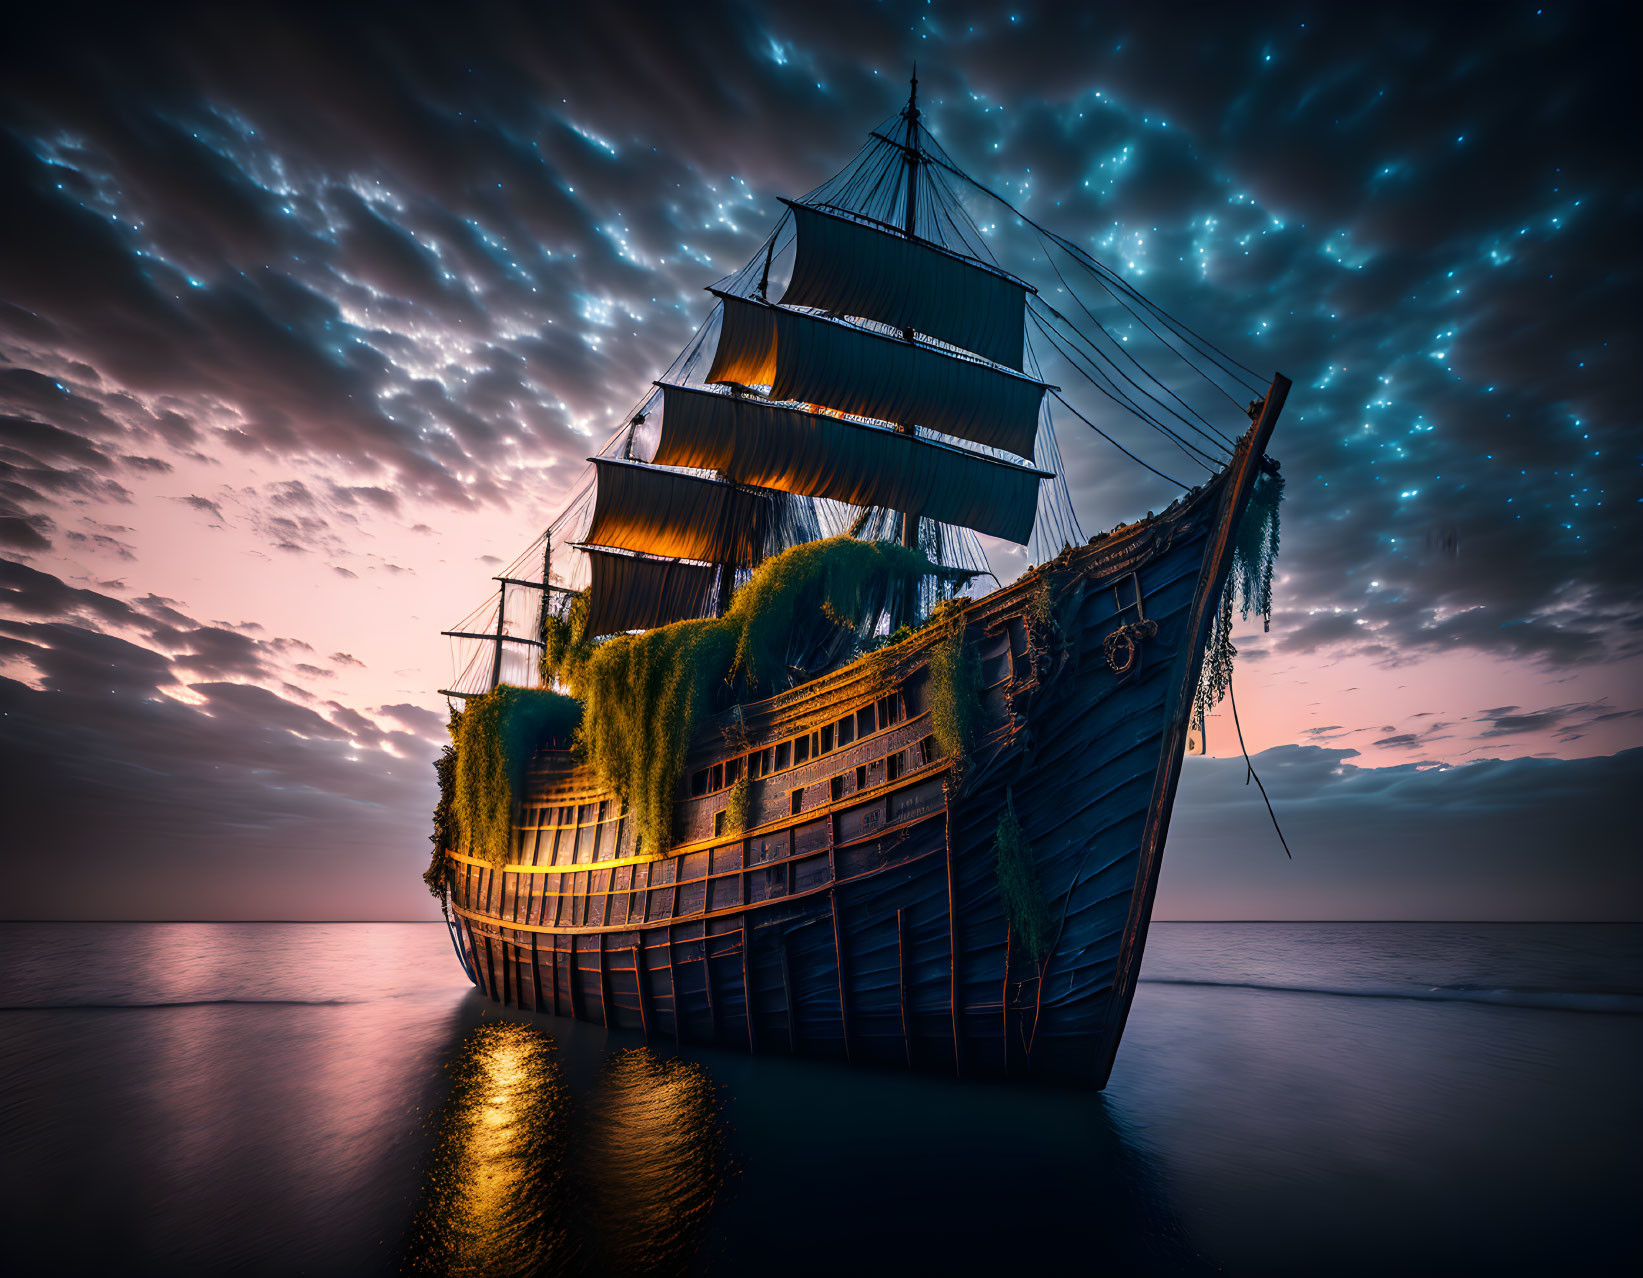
494,1200
523,1180
653,1164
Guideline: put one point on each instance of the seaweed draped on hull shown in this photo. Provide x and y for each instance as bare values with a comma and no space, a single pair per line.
1248,587
645,693
495,736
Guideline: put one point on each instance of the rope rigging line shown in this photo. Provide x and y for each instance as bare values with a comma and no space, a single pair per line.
847,192
940,157
1250,776
949,200
1120,346
872,205
1105,273
1144,465
1101,280
949,203
1108,277
851,172
1117,396
1059,510
867,177
1060,507
1039,304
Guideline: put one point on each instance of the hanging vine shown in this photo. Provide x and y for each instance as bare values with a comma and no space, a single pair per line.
495,737
1019,888
955,692
645,693
1248,589
446,835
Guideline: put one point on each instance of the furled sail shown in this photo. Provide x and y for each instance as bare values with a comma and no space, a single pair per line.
634,592
850,267
815,360
756,442
677,515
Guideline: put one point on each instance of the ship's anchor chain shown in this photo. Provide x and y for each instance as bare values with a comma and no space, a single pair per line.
1123,646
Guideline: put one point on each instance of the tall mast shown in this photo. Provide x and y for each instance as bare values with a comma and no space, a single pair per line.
542,617
501,633
909,155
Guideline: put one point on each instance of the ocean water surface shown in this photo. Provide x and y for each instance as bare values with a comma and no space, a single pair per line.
336,1099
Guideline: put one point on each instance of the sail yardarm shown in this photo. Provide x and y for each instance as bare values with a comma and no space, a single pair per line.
851,268
811,359
817,455
634,592
676,515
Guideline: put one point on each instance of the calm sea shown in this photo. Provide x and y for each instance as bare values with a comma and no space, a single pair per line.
334,1099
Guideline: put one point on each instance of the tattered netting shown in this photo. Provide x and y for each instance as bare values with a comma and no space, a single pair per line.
1248,589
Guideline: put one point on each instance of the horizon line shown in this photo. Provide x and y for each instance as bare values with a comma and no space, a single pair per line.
1500,922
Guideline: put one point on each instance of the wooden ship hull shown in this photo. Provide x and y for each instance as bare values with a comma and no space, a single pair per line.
858,916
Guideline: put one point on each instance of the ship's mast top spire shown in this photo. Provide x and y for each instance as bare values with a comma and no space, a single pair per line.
910,154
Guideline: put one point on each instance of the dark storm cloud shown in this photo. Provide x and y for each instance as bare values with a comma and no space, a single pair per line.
24,534
1569,722
1480,839
437,251
216,799
65,632
212,650
48,467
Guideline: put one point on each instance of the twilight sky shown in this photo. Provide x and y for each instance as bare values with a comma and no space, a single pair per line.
309,316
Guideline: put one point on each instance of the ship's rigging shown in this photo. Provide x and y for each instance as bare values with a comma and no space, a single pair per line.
871,369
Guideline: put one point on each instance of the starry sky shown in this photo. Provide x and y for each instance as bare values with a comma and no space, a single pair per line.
309,316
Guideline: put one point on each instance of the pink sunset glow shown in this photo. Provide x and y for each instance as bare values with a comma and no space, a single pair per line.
286,379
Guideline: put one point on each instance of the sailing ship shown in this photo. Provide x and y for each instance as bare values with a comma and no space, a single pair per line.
863,903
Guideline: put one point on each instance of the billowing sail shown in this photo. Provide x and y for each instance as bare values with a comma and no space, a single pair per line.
815,360
677,515
632,592
816,455
849,267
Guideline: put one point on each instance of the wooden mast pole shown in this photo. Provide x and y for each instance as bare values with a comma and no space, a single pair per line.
547,594
501,619
909,157
725,569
